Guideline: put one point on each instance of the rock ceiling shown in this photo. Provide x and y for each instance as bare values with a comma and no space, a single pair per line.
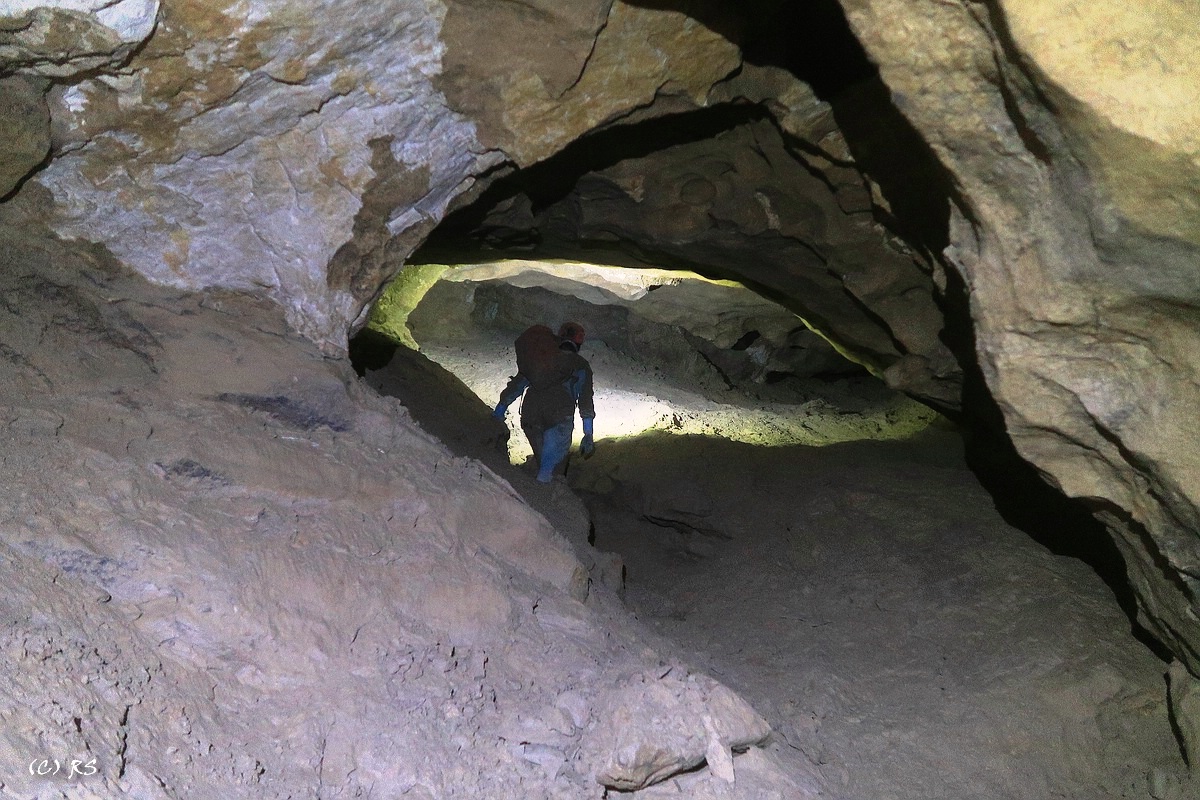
302,151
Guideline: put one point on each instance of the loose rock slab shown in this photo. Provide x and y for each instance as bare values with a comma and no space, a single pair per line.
652,727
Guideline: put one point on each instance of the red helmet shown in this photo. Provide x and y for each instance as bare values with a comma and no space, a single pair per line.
571,332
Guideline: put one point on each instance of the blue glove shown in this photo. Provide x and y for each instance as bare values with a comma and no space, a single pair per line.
500,411
587,446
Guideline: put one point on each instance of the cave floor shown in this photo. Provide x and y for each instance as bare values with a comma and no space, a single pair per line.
867,598
896,632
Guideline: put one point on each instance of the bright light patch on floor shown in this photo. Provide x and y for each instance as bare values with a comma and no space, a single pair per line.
628,403
769,425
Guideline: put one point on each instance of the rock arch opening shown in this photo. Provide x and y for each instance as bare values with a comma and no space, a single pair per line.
829,203
805,216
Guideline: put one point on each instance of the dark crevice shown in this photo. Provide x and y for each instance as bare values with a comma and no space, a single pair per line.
1005,44
958,335
897,158
716,367
16,189
371,350
746,340
1177,731
812,40
1028,137
1167,573
1064,526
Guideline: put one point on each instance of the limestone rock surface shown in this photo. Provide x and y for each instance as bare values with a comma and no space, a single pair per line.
1069,130
63,38
1124,80
232,571
254,147
538,75
235,148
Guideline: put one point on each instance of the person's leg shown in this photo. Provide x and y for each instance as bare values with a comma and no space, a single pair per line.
556,442
535,433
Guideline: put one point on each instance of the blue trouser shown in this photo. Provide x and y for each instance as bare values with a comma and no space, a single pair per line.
556,443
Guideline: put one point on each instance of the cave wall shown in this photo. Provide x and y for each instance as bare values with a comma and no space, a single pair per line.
761,186
747,205
234,147
256,147
1069,131
244,145
535,76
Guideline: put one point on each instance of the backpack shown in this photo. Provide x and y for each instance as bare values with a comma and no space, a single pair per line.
537,351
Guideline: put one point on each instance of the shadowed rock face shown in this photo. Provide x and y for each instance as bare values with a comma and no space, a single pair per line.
260,147
26,121
1069,133
744,205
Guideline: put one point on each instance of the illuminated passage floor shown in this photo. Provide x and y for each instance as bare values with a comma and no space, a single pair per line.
632,398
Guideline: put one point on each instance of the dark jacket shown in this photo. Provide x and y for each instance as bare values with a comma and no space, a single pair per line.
552,396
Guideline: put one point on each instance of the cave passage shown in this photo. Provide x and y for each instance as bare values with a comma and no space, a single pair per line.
540,215
802,485
866,596
917,615
672,351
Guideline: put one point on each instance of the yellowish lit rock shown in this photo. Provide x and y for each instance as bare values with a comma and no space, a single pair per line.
1126,79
